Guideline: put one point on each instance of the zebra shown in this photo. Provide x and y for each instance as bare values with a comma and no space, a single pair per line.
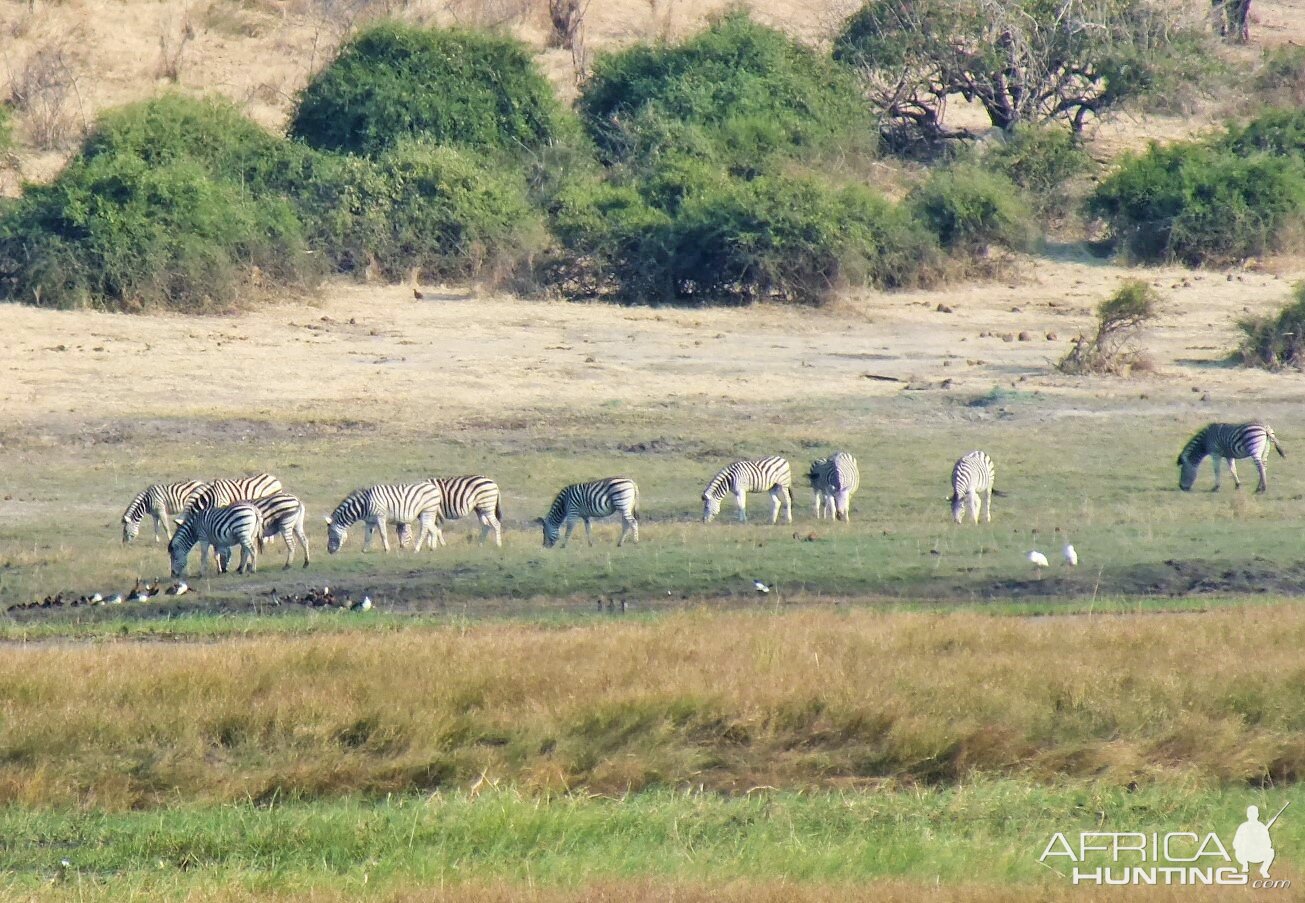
240,524
161,501
1231,441
834,480
226,491
1231,18
762,475
396,503
601,498
463,495
284,516
973,474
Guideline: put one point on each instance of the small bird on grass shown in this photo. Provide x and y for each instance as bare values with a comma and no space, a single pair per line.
365,604
1038,559
1071,557
760,587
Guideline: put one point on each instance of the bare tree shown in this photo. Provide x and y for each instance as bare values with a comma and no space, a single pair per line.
43,90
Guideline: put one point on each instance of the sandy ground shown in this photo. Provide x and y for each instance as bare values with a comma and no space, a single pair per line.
377,355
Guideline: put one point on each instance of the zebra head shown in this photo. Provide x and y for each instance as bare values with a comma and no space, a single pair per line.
813,475
336,534
179,550
710,507
958,506
130,529
551,532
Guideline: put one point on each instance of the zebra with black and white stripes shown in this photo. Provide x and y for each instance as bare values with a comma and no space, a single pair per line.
162,501
240,524
834,480
582,501
227,491
394,503
1230,441
771,475
473,493
284,516
973,474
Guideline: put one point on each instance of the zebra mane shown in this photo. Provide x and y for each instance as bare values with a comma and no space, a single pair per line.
348,507
136,510
1194,451
557,511
716,486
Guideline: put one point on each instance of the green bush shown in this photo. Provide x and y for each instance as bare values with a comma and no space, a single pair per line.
1277,132
742,92
6,130
1112,349
115,231
695,234
970,209
1281,79
419,207
1201,204
1041,160
395,81
1278,341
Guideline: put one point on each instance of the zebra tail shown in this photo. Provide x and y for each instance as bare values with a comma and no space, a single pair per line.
498,508
1274,440
999,494
634,509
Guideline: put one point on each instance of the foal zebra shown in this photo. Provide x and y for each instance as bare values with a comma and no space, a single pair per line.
1231,441
161,501
284,516
762,475
601,498
240,524
396,503
973,474
834,480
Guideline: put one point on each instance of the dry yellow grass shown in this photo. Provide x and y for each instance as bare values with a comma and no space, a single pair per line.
724,701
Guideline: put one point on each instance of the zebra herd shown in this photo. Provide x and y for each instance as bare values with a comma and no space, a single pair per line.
245,512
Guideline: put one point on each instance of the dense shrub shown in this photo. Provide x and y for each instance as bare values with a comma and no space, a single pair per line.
740,90
691,233
1281,79
1201,204
1278,132
1041,160
115,231
1278,341
395,81
419,207
970,209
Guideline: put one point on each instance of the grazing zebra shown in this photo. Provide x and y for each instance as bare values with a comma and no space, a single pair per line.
834,480
161,501
973,474
227,491
284,516
762,475
601,498
1231,441
400,503
240,524
463,495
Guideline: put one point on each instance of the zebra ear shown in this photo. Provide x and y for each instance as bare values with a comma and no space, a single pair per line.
325,518
179,520
538,520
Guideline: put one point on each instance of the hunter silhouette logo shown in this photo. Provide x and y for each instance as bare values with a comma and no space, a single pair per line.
1252,844
1119,858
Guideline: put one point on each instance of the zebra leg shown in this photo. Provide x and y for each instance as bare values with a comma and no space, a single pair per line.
160,519
1264,474
289,541
203,558
303,538
1232,469
741,500
248,558
385,536
788,505
1215,459
987,506
820,504
589,536
843,506
570,526
972,502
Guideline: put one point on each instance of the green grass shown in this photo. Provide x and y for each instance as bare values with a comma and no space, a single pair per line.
986,832
1106,483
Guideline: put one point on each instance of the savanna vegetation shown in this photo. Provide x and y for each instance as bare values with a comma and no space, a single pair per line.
731,167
